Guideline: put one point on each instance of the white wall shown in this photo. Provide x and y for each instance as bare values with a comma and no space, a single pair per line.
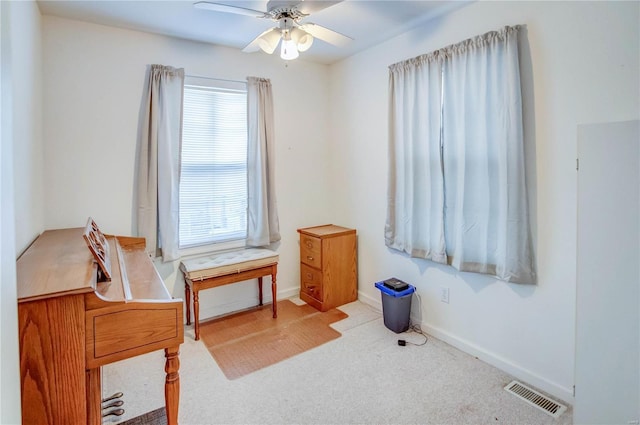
20,177
580,65
92,95
27,129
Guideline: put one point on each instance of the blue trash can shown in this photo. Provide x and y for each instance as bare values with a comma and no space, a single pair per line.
396,306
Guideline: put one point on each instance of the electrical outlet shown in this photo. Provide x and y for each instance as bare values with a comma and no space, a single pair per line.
444,294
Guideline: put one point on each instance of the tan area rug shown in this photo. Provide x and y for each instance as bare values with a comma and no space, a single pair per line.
251,340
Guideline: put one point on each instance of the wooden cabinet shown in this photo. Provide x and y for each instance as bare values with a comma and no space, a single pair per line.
328,266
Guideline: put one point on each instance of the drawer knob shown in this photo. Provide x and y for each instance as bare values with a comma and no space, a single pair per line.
309,258
309,244
309,275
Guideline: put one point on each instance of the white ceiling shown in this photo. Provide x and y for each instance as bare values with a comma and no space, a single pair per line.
368,22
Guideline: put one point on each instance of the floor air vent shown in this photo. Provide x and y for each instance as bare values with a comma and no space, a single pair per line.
536,399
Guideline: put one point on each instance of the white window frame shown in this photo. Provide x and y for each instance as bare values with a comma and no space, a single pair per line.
227,244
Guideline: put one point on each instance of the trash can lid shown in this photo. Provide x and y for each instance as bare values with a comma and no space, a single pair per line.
410,290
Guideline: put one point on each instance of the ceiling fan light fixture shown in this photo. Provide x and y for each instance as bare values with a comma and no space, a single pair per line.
288,49
269,41
303,39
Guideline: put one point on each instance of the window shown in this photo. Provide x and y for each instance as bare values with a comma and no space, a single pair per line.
457,192
213,179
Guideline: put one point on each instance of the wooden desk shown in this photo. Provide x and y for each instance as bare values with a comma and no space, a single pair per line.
225,269
70,325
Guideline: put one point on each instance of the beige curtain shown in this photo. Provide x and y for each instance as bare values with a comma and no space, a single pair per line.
415,202
457,190
159,143
486,208
263,227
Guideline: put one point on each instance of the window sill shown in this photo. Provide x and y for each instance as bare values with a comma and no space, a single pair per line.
212,248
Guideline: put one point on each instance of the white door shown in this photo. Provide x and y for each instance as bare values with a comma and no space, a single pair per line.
607,364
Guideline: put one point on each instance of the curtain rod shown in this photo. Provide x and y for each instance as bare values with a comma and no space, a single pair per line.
216,79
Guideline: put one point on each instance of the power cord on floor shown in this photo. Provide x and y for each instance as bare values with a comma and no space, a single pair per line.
414,328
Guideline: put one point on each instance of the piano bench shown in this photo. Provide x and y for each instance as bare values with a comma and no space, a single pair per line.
224,269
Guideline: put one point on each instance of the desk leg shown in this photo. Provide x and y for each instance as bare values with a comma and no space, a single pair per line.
196,313
187,301
260,290
172,384
274,289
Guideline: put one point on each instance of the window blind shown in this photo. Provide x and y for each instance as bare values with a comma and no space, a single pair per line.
213,179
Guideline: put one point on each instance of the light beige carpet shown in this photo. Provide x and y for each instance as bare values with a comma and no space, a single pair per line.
363,377
248,341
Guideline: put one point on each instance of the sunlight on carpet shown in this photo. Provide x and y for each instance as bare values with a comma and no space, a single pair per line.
245,342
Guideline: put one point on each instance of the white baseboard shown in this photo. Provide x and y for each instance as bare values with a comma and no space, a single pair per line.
288,293
523,374
370,301
519,372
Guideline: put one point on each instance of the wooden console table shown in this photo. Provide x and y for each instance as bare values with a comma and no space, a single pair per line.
224,269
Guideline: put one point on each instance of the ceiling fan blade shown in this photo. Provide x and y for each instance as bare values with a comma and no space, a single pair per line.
308,7
325,34
305,6
267,41
219,7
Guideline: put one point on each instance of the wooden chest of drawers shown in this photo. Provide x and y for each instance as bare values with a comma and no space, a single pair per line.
328,266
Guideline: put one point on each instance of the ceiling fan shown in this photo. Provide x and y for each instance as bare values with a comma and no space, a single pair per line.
296,35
